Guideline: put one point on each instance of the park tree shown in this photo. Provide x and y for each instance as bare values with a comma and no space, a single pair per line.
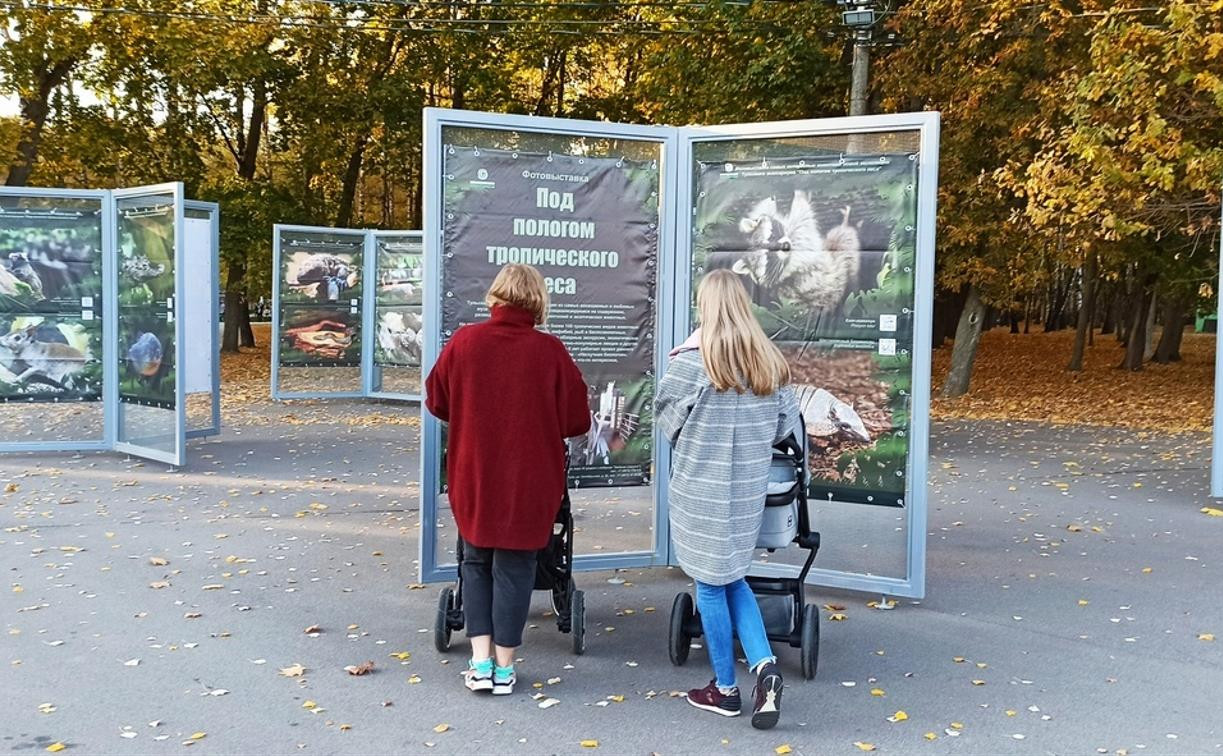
1131,157
1001,52
41,55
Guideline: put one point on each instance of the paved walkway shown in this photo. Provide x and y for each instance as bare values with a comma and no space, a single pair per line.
1071,577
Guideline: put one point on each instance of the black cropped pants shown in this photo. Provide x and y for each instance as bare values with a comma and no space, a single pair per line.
497,585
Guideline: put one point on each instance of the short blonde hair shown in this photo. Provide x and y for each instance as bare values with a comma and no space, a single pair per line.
736,352
520,286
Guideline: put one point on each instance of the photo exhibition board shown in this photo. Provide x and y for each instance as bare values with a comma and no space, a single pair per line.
201,317
397,314
149,236
830,226
53,318
347,310
91,283
583,202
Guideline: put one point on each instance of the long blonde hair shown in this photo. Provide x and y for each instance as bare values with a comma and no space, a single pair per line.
734,348
520,286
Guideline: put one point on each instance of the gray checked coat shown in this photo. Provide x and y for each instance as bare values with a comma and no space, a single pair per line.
723,444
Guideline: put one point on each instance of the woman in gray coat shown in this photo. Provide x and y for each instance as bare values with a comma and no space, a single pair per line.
723,402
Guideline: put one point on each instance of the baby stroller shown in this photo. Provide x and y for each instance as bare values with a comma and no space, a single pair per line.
553,573
787,616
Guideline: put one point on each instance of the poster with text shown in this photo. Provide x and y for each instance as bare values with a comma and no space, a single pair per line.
590,225
147,306
51,301
825,245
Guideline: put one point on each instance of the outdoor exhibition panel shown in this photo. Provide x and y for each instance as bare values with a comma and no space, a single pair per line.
202,234
395,304
1216,459
152,409
56,319
346,313
92,287
830,225
588,204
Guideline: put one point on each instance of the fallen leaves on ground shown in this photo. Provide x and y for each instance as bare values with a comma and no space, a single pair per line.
364,668
1024,377
442,728
295,670
862,746
899,716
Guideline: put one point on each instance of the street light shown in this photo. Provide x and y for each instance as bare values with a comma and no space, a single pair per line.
859,15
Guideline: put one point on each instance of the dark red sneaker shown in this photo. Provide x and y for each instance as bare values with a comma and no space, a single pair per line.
710,698
766,709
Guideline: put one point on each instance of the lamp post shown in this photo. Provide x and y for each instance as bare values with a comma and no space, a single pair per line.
859,16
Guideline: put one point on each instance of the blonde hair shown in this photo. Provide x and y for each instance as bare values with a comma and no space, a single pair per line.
734,348
520,286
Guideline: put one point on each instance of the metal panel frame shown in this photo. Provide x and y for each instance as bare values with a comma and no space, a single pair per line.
927,123
373,374
277,394
110,371
435,119
1216,456
178,456
214,219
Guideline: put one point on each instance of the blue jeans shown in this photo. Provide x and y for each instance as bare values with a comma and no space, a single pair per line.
727,611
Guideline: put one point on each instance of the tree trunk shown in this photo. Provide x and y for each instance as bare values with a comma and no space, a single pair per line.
1136,323
1014,318
967,338
947,308
1087,313
352,174
1027,316
1169,349
1148,334
235,308
34,113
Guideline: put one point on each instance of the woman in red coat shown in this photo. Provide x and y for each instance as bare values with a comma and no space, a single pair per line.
511,395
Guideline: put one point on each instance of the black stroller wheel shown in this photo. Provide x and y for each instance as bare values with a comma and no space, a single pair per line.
809,651
441,625
680,643
577,621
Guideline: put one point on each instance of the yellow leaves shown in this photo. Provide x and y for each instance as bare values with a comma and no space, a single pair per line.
930,736
46,708
958,659
295,670
1208,637
1074,527
157,584
1011,712
899,716
1146,570
861,746
158,561
838,617
441,728
401,655
414,680
878,692
589,743
1212,512
783,749
308,704
1083,602
978,683
198,736
14,488
345,727
57,746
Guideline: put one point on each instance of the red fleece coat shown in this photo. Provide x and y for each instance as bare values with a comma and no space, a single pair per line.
511,395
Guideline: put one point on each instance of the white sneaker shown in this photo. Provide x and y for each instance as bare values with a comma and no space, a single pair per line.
503,684
477,681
